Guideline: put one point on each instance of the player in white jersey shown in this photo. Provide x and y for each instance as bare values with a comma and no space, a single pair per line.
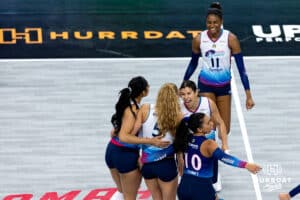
216,46
192,103
159,167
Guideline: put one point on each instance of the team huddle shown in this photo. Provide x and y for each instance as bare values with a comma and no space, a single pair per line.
176,135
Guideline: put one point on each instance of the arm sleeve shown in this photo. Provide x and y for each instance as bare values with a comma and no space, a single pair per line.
192,66
294,191
242,70
228,159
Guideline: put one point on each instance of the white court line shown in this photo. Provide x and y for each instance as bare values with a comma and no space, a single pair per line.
241,119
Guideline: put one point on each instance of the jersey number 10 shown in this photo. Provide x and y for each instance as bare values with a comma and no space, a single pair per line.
195,161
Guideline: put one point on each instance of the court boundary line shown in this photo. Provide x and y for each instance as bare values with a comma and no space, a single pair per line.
138,59
243,128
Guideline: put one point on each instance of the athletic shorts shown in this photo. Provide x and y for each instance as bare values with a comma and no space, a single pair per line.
195,188
215,171
121,158
218,91
165,169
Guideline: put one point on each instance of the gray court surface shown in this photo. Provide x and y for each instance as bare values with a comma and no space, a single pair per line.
54,123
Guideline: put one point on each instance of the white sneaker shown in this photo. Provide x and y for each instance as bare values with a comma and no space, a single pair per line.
218,185
227,151
117,196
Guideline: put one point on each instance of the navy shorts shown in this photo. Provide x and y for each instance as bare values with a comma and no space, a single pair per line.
215,171
165,169
195,188
121,158
218,91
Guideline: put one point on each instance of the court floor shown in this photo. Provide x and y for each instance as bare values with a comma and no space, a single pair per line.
55,123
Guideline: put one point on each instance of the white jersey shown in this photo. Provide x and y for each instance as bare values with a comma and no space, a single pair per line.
216,57
203,107
149,130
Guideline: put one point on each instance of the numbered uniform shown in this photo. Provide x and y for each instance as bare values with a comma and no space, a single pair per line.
196,182
215,74
157,162
203,107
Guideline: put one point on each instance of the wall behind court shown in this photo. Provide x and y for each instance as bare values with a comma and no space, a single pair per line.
144,28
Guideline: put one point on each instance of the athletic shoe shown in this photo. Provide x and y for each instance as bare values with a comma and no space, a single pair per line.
218,185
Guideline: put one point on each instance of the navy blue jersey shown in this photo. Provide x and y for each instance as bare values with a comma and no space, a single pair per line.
195,163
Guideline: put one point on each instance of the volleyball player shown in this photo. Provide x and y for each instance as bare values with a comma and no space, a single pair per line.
199,155
216,46
159,168
192,103
122,158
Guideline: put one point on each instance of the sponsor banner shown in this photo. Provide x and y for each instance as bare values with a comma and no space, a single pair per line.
157,28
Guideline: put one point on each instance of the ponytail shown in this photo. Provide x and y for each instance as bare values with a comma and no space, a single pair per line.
186,129
136,87
182,137
123,102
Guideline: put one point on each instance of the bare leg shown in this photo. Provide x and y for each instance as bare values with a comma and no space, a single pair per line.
116,177
224,106
169,189
130,184
153,187
212,96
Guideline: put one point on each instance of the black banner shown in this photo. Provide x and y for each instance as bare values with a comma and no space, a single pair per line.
130,28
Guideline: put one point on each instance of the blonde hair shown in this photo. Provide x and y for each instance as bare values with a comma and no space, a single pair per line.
167,108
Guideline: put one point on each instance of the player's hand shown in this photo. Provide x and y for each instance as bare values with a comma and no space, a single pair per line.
157,141
225,148
253,168
227,151
284,196
249,103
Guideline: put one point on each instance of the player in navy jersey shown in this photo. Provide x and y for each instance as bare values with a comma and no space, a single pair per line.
291,194
199,155
192,103
120,157
217,45
159,168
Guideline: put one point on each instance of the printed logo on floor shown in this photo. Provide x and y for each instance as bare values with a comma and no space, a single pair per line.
99,194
